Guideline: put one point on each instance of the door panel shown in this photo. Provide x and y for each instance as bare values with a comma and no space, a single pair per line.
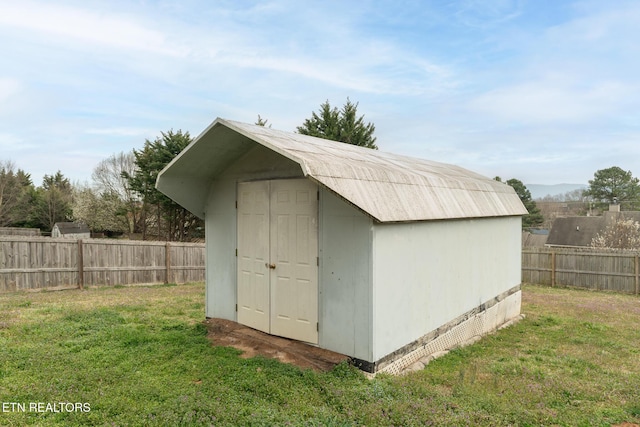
278,226
253,255
294,250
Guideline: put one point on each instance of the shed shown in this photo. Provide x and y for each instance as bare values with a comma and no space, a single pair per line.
71,230
533,240
381,257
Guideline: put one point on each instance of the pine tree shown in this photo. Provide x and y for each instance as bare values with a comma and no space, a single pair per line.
340,125
171,220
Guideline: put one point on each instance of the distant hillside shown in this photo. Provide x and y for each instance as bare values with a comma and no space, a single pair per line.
538,191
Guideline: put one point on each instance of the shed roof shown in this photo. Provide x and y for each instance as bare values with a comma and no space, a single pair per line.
388,187
532,240
72,227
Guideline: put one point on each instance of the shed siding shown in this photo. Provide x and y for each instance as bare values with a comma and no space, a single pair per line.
220,225
427,273
345,278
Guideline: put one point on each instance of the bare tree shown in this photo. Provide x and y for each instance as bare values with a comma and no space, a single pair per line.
109,178
621,234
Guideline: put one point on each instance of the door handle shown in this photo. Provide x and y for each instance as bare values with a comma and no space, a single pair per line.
271,266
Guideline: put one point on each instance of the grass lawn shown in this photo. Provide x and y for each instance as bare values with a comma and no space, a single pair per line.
139,356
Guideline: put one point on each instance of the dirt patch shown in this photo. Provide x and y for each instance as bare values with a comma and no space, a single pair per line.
255,343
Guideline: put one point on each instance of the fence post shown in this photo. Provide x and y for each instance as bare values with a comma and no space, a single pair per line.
637,265
80,265
167,261
553,268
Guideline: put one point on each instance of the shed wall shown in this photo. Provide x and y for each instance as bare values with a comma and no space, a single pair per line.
427,273
220,273
220,222
345,278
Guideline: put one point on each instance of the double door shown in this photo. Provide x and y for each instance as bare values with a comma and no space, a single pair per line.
278,257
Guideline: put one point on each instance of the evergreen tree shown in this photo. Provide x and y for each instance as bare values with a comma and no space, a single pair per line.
614,185
15,191
52,202
340,125
534,218
22,214
262,122
171,220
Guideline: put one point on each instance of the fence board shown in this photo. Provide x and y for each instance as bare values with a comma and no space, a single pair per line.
594,269
37,263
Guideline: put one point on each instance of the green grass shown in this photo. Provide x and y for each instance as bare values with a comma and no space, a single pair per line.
140,356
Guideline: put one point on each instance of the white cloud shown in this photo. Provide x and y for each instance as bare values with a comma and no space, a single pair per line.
548,101
598,22
119,131
342,55
12,143
84,26
484,14
474,82
8,88
580,71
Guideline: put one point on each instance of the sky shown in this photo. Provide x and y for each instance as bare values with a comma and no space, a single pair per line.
544,91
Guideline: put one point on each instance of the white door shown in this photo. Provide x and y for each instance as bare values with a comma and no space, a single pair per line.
253,255
277,257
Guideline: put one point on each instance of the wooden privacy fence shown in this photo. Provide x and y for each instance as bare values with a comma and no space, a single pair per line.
19,231
594,269
37,263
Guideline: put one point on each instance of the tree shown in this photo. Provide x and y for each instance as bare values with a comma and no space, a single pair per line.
340,125
613,185
171,219
21,215
621,234
52,201
110,181
534,218
101,212
15,189
262,122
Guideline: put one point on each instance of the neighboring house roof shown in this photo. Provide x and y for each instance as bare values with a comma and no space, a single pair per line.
72,228
575,230
388,187
580,230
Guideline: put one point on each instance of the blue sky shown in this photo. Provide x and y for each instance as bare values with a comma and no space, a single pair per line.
543,91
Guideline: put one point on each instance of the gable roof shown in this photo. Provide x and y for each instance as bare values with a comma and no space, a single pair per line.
533,240
575,230
581,230
72,227
388,187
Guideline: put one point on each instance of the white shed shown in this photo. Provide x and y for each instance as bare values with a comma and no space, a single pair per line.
71,230
381,257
